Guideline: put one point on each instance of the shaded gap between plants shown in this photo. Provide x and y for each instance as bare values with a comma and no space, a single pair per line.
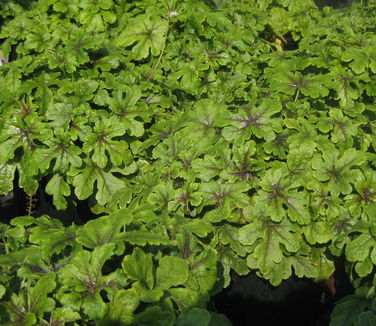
251,300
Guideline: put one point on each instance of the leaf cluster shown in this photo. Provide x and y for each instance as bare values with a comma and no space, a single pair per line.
217,133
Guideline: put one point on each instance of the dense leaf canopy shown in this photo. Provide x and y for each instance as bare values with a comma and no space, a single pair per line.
211,135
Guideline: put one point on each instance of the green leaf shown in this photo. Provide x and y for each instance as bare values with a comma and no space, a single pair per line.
51,235
367,318
105,229
201,121
365,198
198,227
230,261
298,163
121,309
230,235
339,172
342,128
203,271
60,150
106,183
359,248
2,291
154,316
19,257
187,299
146,294
141,238
346,86
188,76
318,232
38,300
148,34
305,138
101,142
294,82
348,310
196,316
252,120
303,266
27,174
64,314
6,177
84,275
219,320
269,239
364,268
224,195
360,59
139,267
131,112
279,192
59,189
161,195
171,271
32,302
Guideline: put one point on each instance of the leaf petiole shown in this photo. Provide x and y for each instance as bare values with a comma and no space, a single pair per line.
297,95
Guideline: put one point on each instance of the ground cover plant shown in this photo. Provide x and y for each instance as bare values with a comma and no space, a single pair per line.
211,135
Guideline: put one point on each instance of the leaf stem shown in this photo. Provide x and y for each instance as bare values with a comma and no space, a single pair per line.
297,95
5,245
158,61
160,56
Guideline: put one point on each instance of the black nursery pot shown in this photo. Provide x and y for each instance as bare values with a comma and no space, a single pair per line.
17,203
250,300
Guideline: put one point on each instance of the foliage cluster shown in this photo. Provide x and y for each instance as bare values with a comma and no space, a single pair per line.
214,135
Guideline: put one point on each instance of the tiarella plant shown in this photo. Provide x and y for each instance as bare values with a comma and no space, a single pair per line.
212,135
